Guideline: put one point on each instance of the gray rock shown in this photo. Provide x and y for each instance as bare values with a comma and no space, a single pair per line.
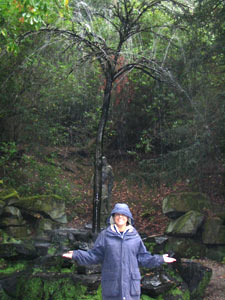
196,276
47,205
177,204
215,252
185,247
161,282
186,225
213,232
8,196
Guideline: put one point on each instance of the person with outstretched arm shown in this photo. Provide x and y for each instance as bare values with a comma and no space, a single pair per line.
121,251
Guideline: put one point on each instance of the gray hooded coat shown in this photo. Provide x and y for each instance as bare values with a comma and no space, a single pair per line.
121,255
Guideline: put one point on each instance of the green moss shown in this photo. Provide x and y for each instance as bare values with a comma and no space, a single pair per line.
10,268
51,250
145,297
150,246
4,296
96,296
29,288
7,194
3,263
182,295
6,239
176,292
36,288
186,247
174,274
187,295
198,293
66,270
186,201
36,270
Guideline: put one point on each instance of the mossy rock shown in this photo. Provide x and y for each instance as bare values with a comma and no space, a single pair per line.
186,225
213,232
197,277
7,250
13,211
17,249
2,205
145,297
199,291
8,268
36,288
50,205
8,196
4,296
216,253
186,247
93,296
177,204
18,232
178,293
43,225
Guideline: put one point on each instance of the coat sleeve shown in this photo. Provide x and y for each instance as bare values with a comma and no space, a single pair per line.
146,259
93,256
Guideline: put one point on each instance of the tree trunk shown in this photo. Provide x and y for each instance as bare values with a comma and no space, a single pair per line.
97,186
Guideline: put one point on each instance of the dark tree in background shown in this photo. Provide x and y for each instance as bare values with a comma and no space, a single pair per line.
124,24
105,35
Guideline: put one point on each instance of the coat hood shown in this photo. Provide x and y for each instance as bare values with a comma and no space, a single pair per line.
121,208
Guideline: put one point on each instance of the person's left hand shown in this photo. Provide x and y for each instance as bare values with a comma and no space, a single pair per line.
168,259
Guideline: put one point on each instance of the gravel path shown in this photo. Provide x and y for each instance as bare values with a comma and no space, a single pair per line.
216,287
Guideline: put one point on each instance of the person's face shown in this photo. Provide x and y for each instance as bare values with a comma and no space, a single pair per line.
120,220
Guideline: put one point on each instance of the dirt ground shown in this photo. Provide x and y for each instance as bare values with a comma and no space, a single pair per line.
216,287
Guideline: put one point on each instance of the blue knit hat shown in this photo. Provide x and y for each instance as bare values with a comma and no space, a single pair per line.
122,208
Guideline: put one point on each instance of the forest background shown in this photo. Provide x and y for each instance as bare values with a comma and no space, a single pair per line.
162,133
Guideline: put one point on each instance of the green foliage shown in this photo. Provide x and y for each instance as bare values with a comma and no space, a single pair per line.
4,296
31,176
47,99
8,268
55,289
8,152
18,17
150,246
94,296
145,297
179,294
33,289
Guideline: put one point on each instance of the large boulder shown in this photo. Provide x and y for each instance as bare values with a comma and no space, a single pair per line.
11,216
185,247
213,232
177,204
48,285
161,282
196,276
8,196
36,269
215,252
186,225
52,206
17,250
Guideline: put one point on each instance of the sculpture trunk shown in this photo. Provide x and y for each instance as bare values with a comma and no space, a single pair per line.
97,187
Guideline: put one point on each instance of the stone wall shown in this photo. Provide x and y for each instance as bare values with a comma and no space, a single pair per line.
196,228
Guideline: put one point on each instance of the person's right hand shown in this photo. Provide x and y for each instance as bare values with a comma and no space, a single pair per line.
168,259
68,254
